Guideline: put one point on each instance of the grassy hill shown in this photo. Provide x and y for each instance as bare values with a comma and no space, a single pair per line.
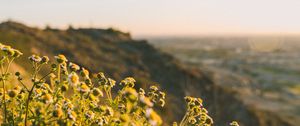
118,55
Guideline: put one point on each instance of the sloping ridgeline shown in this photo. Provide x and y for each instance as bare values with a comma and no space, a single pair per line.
118,55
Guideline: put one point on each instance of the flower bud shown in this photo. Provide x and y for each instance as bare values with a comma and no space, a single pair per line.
74,67
60,58
57,113
93,98
89,115
234,123
162,95
35,58
64,88
47,98
188,99
145,101
141,91
111,82
175,124
124,118
12,93
72,115
192,121
45,60
8,50
84,73
17,53
83,88
97,92
153,89
17,73
161,102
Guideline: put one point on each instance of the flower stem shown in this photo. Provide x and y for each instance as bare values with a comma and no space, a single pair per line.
5,110
27,104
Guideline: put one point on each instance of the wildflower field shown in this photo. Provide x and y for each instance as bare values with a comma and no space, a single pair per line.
69,95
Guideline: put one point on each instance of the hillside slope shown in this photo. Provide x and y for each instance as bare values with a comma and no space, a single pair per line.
119,56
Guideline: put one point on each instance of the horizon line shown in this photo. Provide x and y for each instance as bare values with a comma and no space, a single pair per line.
151,35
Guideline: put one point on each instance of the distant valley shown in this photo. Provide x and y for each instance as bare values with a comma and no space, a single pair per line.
266,70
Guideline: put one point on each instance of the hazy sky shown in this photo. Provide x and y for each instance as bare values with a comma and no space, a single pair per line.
161,17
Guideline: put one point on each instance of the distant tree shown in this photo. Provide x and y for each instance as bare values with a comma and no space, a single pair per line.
48,27
70,27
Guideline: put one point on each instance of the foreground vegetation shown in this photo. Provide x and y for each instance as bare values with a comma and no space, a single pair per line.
69,95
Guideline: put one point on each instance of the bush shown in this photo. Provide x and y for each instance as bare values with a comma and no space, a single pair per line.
70,95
